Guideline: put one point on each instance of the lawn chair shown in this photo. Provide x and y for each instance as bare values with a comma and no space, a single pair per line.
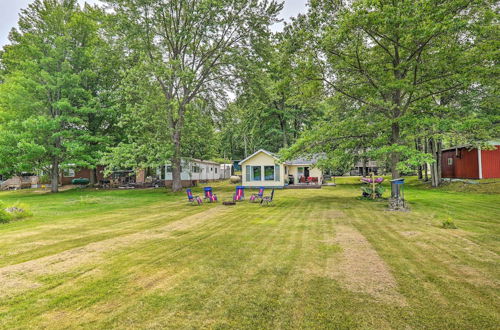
240,194
260,195
193,199
209,195
267,200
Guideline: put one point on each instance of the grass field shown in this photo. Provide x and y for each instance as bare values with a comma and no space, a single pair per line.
317,259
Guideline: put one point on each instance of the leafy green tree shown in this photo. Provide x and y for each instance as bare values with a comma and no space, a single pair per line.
53,97
186,51
393,60
278,96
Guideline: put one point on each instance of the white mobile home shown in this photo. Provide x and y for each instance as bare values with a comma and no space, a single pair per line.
192,172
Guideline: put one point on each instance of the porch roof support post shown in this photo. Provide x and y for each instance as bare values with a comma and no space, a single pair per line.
480,163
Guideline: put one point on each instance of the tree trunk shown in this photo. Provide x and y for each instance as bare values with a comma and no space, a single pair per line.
435,150
438,161
419,168
395,157
365,169
93,176
54,181
283,130
426,168
176,161
245,145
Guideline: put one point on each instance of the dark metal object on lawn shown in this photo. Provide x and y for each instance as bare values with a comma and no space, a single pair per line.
228,203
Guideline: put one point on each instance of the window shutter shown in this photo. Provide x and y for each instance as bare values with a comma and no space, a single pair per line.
249,171
276,173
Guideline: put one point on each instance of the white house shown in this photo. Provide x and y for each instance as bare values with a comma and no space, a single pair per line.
192,171
264,169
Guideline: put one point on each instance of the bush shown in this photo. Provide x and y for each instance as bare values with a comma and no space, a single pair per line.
449,224
367,190
14,212
44,179
4,216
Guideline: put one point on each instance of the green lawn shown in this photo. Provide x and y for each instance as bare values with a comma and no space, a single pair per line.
317,259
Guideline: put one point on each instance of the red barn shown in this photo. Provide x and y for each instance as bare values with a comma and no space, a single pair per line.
471,163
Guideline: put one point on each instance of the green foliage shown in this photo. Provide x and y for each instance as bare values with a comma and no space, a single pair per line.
16,211
4,215
368,190
55,103
278,98
398,71
185,53
449,224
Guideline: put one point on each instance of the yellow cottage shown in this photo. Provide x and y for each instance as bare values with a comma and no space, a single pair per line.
263,169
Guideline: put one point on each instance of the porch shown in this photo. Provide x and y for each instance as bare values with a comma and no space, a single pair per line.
303,186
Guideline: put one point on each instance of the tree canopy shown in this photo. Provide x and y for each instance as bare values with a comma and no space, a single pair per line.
142,83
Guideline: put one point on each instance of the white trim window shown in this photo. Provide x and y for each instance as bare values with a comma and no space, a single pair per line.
269,173
69,172
450,161
253,173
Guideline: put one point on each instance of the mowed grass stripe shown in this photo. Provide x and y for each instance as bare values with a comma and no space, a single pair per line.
257,267
430,268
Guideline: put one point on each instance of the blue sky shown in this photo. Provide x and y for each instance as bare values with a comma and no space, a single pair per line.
9,11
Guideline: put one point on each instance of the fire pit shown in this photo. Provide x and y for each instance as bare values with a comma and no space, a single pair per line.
228,203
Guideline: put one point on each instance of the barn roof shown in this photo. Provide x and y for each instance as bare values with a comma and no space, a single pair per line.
470,146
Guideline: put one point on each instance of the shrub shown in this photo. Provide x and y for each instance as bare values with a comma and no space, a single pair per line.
367,190
44,179
14,212
4,216
449,224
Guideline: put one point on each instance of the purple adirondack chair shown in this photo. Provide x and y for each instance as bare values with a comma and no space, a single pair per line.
257,196
195,200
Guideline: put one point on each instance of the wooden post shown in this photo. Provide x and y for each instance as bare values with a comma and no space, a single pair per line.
373,185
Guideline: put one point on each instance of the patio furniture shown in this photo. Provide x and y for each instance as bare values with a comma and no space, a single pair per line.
267,200
240,194
193,199
257,196
209,195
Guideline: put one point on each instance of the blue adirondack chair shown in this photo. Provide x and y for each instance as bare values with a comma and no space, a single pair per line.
257,196
209,195
240,194
195,200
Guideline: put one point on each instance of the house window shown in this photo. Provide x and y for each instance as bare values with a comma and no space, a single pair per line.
196,169
256,173
162,172
450,161
69,172
269,173
169,169
216,170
